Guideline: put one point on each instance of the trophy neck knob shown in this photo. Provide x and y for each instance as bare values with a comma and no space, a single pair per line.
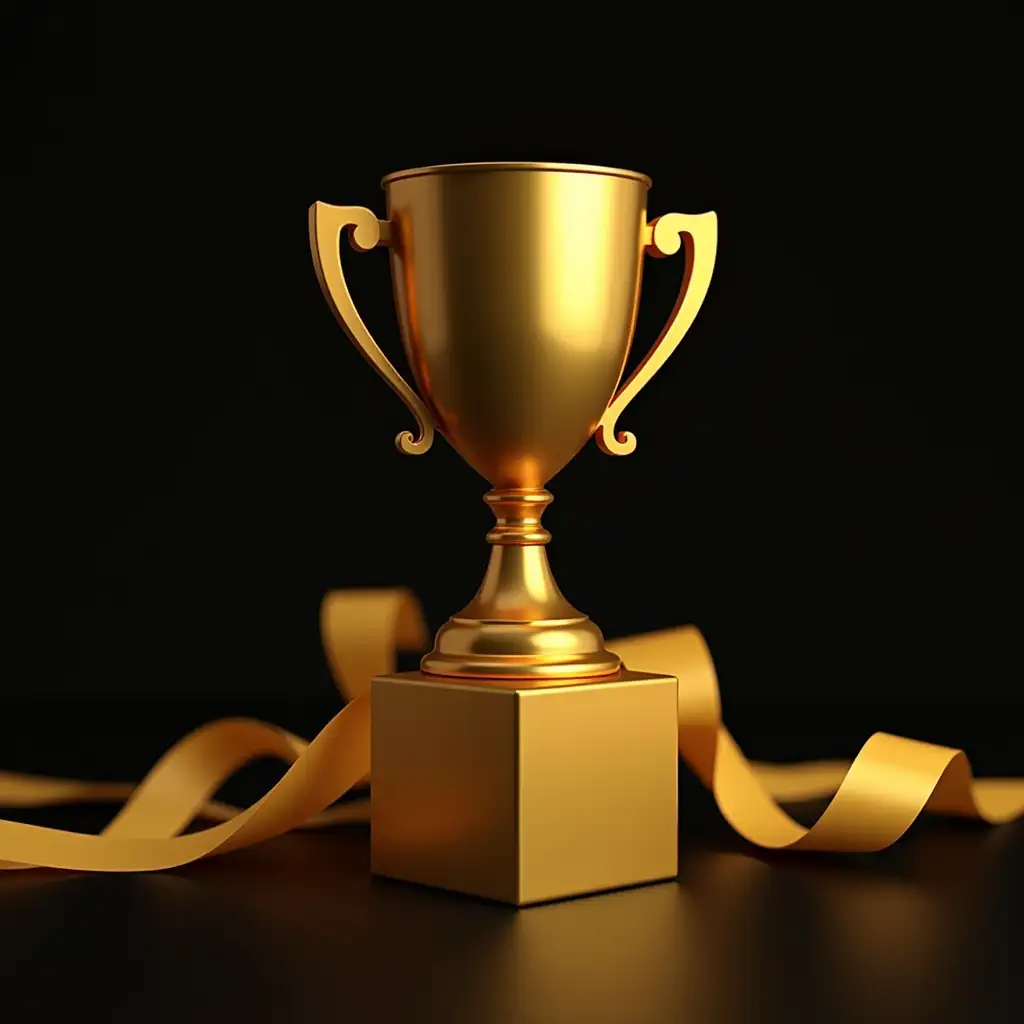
518,515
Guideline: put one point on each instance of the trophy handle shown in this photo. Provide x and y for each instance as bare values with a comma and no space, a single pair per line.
365,232
663,237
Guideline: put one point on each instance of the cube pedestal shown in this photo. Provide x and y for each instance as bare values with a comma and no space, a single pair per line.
524,793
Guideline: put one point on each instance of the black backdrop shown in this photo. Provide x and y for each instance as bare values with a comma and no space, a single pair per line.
824,481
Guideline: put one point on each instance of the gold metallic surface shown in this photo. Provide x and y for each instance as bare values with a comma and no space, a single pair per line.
517,287
664,237
876,798
519,626
498,792
513,165
365,232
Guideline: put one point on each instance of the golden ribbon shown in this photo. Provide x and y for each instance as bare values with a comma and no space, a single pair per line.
876,797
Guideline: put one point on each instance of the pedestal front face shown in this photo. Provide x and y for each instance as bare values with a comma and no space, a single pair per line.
524,795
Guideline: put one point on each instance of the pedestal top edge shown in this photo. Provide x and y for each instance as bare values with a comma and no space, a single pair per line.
625,677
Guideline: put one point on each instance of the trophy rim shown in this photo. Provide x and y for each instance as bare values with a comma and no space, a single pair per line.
514,165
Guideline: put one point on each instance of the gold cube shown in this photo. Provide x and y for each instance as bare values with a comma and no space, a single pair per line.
527,793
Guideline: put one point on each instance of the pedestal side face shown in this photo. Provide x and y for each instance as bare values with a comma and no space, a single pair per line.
598,774
443,785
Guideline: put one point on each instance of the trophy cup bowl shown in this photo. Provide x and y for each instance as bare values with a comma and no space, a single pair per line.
517,287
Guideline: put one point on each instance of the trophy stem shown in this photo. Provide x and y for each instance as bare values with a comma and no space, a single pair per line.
519,626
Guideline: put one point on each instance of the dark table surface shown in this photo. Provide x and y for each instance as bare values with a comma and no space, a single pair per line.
930,930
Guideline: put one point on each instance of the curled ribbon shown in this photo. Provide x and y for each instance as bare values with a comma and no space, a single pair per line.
874,801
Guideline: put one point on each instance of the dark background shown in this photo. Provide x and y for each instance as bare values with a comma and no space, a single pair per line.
824,482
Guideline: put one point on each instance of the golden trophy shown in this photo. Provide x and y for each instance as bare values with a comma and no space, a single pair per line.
523,762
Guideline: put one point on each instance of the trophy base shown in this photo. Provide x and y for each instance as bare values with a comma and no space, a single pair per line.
524,793
545,650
